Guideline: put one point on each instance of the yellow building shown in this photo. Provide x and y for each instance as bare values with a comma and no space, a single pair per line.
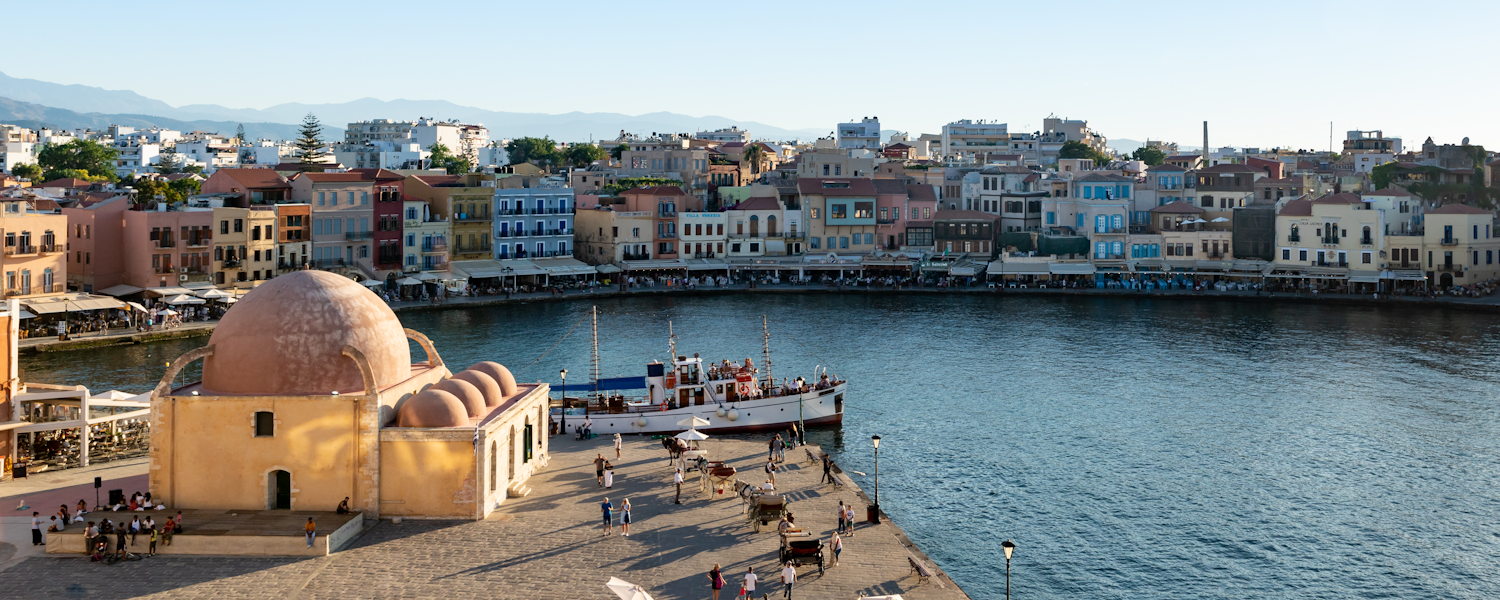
465,201
310,395
1459,246
244,245
35,260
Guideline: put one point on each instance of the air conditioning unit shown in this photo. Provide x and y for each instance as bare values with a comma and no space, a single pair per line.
182,277
184,269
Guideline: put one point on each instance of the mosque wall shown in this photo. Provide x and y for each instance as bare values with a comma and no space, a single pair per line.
427,473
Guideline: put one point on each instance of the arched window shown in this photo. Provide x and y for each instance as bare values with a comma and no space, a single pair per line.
754,225
1294,237
771,225
1366,238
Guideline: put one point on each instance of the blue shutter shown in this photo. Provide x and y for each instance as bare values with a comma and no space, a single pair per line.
1119,248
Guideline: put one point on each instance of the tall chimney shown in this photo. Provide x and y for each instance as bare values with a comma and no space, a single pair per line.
1205,143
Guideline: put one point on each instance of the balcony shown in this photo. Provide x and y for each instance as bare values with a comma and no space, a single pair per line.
199,243
666,213
20,250
667,236
165,244
630,256
1448,241
885,221
1294,238
327,263
283,265
470,217
435,248
231,263
358,235
704,255
1366,242
1330,240
467,249
54,248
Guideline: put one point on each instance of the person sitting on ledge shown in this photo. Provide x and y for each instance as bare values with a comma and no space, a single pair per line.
343,508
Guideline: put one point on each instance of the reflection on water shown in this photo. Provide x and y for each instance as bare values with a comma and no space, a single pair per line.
1150,448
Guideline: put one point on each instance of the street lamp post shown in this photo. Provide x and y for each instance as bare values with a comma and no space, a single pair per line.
875,515
1009,547
563,420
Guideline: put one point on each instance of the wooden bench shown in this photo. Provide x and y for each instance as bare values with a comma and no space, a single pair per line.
920,569
810,456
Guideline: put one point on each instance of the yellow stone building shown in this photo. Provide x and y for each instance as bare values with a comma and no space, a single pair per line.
310,394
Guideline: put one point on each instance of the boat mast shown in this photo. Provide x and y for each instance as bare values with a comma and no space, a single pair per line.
595,362
765,331
671,345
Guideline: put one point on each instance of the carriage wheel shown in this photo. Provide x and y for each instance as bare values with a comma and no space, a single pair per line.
757,523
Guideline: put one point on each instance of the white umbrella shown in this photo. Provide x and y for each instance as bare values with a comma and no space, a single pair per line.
213,293
168,312
692,435
409,281
373,282
231,300
425,276
186,299
1221,220
626,590
693,422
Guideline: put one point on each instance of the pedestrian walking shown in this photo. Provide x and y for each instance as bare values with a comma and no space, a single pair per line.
677,479
609,475
618,442
36,529
771,472
849,520
771,449
838,547
625,517
608,510
788,577
120,540
840,527
827,469
311,529
716,580
750,579
599,468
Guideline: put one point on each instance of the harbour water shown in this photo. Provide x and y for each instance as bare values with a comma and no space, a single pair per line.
1130,448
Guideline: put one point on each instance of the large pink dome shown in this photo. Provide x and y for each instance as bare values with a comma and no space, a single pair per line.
286,338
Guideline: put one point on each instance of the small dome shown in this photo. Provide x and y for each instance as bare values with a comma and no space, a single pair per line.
466,392
432,408
486,385
500,374
287,337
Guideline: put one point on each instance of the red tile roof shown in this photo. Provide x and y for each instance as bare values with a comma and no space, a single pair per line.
1230,168
436,180
330,177
66,183
836,186
1391,191
921,191
1344,198
759,203
890,186
1458,209
1301,207
379,174
255,178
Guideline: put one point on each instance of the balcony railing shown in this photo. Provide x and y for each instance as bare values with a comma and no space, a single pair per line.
885,221
165,270
1366,242
1294,238
471,217
704,255
470,249
1450,241
20,249
165,244
630,256
53,248
359,235
435,248
199,243
231,263
325,263
1331,240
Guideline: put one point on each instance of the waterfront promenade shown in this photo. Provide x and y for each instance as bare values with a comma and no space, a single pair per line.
546,545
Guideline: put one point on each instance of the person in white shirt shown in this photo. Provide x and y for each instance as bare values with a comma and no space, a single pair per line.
677,479
769,487
750,581
36,529
788,577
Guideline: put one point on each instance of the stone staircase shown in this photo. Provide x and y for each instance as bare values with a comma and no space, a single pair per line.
517,490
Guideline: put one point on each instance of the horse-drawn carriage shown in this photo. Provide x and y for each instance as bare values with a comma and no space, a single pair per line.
762,507
799,549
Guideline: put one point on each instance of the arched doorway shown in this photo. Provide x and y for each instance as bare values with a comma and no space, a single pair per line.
279,490
754,225
1446,280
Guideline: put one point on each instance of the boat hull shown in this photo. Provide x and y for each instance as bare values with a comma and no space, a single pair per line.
815,408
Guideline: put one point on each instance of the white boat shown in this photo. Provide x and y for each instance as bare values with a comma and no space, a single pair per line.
732,396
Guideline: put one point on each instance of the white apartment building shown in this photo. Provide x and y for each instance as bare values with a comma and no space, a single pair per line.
210,149
864,134
381,154
533,222
963,139
725,135
702,234
267,152
425,238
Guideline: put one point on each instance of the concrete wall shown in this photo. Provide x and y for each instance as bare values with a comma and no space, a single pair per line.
427,473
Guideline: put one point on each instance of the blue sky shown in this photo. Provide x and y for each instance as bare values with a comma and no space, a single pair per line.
1263,74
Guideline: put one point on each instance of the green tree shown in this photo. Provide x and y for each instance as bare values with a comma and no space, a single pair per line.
1150,155
310,143
239,134
1383,175
542,150
187,186
1076,149
27,171
96,161
169,162
618,151
445,160
754,154
582,155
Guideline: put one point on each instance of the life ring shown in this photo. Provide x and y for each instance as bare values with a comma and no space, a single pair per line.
664,406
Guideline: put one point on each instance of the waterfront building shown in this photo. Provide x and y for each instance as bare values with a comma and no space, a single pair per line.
669,156
293,237
310,394
704,234
1403,210
533,222
156,244
762,226
341,219
95,225
834,163
663,201
968,232
1096,206
35,256
608,233
1460,246
426,238
1330,238
387,190
465,202
1224,187
244,245
1183,238
840,214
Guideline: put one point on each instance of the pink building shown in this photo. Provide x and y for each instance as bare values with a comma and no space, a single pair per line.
95,262
167,247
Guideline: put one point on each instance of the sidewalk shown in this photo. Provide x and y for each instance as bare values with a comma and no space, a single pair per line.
44,492
118,335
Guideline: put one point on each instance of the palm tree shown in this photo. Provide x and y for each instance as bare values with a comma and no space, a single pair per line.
753,155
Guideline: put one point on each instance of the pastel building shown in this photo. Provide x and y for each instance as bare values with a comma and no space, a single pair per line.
533,222
310,394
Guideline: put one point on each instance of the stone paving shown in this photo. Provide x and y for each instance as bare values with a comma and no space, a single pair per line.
547,545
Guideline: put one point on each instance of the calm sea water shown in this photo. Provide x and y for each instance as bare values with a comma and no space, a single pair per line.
1130,448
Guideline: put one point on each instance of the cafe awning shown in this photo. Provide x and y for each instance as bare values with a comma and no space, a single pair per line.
120,290
167,292
646,265
707,264
608,268
1406,276
1001,267
182,299
1364,277
563,266
968,270
1072,268
58,306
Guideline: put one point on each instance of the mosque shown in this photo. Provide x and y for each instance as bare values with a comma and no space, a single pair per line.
310,394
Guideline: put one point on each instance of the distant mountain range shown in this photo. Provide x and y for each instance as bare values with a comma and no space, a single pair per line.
35,100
